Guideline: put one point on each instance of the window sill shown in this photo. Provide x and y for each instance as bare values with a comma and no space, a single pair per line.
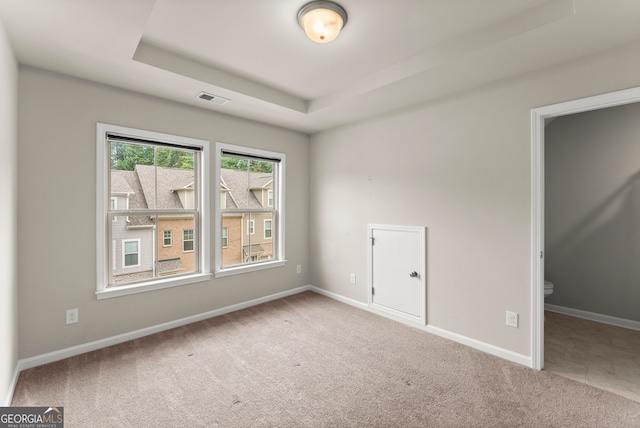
150,286
237,270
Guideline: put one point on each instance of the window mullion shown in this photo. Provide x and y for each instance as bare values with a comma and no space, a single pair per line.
151,213
111,252
274,236
254,211
155,177
197,242
156,247
196,183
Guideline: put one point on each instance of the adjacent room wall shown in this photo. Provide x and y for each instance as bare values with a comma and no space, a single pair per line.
56,202
8,216
592,211
460,166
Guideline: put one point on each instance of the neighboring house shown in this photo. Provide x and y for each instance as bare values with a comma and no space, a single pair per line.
246,236
135,241
132,236
247,199
175,233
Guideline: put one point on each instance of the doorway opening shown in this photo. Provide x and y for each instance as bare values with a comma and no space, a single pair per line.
538,118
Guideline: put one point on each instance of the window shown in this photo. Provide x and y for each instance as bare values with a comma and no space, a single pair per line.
249,216
187,240
225,237
154,183
131,253
267,229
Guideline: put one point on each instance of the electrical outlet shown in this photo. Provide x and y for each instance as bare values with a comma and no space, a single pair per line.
512,319
353,278
299,269
72,316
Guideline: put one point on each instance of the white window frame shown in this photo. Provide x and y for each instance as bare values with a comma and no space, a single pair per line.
124,253
251,227
278,259
269,198
164,238
104,245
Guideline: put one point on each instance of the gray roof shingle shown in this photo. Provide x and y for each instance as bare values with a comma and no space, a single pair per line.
120,183
253,249
128,182
169,179
140,184
170,265
240,184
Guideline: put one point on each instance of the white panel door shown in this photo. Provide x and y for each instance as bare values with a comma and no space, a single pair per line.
397,278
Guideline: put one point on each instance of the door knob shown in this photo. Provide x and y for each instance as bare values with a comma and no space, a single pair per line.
413,274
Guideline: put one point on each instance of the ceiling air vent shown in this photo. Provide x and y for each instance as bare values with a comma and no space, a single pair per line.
215,99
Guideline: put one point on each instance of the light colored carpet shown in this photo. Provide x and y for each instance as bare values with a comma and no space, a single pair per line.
309,361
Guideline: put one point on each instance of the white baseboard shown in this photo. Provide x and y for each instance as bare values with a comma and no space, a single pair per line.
61,354
473,343
339,298
12,388
496,351
592,316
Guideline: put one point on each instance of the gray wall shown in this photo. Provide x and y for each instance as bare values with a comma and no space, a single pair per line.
56,159
8,215
460,166
592,211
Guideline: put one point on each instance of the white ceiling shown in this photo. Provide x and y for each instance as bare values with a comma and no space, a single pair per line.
390,55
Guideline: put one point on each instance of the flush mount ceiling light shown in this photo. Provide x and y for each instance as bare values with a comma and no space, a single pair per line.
322,20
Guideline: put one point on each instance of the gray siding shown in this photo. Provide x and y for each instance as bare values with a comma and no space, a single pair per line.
122,232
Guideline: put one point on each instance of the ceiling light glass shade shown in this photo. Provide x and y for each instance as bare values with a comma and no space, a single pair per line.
322,20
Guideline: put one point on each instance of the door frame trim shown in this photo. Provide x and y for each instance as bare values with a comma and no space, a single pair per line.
422,319
538,117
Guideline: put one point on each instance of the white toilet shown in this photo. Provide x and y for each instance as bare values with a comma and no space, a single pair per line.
548,288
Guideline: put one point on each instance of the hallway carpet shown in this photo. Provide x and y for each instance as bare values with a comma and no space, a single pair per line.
309,361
